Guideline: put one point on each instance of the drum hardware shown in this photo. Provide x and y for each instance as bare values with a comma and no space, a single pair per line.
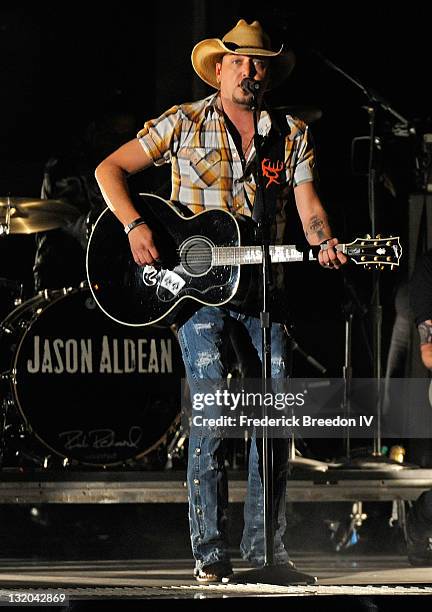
3,416
351,306
53,462
176,448
6,407
398,515
11,295
5,226
295,459
295,347
14,436
345,534
40,516
376,460
47,293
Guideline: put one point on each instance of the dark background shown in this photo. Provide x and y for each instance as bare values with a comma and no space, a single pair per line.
60,67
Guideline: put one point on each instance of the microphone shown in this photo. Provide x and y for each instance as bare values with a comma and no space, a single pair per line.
251,86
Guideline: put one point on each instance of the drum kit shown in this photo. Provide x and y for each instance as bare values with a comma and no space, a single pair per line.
77,388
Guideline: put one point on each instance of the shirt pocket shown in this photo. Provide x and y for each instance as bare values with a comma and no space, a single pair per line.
203,165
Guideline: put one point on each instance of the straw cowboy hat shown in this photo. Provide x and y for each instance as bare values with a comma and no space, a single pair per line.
243,39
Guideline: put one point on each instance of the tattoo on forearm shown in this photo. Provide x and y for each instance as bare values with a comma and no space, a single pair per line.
316,226
425,332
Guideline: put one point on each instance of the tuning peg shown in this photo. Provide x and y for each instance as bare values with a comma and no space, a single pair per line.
378,236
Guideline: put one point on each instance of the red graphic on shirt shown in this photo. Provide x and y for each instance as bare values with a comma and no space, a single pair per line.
271,170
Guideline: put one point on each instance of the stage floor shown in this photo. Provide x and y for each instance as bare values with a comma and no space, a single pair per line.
172,578
126,550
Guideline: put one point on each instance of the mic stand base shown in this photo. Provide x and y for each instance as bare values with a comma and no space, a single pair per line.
303,463
373,462
280,575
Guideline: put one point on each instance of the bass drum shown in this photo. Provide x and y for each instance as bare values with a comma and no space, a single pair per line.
88,388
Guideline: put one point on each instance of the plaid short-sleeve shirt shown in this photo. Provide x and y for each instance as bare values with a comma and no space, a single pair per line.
207,170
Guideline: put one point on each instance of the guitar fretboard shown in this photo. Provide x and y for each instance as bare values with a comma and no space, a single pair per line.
231,256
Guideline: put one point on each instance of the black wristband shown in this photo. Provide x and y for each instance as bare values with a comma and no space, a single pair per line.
135,223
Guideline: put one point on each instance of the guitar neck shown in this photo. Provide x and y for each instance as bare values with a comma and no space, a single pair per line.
234,256
362,251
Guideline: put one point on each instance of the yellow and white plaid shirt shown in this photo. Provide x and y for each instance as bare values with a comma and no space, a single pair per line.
207,171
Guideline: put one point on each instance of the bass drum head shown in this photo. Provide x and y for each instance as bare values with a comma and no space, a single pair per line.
93,390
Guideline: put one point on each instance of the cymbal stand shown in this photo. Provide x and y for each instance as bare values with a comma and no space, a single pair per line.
352,304
294,460
5,226
175,449
3,421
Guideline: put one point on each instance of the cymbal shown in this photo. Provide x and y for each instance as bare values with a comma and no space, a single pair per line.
308,114
28,215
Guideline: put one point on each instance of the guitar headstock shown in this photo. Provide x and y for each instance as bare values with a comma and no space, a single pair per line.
376,252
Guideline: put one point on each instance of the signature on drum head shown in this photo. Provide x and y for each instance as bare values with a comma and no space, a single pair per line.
100,438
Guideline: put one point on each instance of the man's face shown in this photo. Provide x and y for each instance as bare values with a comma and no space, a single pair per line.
233,69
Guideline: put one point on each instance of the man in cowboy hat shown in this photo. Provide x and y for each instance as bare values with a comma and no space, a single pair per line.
210,145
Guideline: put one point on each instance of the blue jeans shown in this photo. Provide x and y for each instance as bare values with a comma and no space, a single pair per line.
203,340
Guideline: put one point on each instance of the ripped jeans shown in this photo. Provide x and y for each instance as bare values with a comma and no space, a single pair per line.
203,339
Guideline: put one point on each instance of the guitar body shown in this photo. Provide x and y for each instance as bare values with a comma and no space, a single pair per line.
143,295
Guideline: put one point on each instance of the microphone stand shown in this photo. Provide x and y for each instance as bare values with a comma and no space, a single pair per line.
375,101
269,573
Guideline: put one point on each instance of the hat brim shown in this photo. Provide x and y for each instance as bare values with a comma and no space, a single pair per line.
207,53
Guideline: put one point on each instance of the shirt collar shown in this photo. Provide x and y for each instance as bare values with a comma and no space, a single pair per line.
214,105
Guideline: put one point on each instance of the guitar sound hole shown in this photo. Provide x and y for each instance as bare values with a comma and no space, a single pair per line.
196,256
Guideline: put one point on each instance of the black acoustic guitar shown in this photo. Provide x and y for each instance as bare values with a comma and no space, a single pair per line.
201,255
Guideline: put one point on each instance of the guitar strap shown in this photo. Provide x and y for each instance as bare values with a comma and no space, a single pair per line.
272,154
